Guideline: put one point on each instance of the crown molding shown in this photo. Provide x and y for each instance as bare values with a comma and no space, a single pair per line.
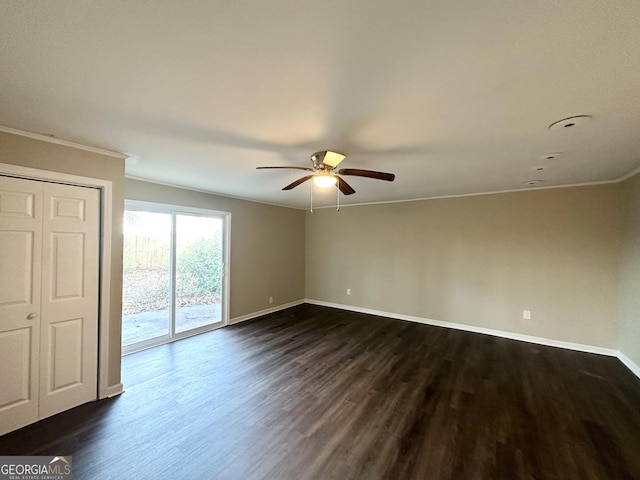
208,192
58,141
621,179
632,173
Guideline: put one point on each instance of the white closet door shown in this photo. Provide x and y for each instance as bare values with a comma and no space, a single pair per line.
69,325
49,257
20,266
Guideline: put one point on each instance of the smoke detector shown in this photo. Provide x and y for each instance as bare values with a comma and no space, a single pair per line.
570,122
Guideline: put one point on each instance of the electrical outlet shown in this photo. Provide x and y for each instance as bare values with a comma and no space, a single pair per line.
348,291
270,299
526,314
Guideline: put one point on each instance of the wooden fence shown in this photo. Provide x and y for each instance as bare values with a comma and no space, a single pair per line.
142,252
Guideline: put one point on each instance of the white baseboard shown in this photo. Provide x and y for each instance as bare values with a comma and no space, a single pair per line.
470,328
115,390
249,316
630,364
635,369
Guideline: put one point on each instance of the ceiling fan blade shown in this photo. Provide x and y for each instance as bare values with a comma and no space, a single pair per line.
297,182
389,177
295,168
345,187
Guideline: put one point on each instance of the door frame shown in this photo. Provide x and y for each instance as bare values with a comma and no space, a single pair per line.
174,209
105,187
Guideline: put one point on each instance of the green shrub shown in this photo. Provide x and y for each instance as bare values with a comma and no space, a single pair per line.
199,268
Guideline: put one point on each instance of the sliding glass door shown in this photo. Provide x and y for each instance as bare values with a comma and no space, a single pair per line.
174,282
146,280
199,267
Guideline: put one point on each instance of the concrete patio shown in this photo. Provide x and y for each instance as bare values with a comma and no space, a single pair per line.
145,325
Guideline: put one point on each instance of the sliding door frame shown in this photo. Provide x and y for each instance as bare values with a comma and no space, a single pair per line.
174,211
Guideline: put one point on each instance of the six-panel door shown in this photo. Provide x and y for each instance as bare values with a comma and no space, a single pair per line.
49,267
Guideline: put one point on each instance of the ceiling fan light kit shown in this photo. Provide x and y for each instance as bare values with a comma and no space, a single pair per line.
325,181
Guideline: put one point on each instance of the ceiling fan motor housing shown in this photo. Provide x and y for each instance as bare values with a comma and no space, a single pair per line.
317,159
326,160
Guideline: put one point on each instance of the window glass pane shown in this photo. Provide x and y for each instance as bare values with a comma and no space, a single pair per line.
198,271
145,288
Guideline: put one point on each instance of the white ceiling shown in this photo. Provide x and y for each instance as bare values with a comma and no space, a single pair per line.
454,97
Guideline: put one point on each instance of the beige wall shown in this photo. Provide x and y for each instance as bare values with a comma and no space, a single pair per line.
630,277
267,245
479,260
570,255
32,153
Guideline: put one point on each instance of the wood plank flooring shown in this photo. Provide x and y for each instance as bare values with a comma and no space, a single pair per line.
318,393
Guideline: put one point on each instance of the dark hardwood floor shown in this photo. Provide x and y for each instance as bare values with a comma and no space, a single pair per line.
318,393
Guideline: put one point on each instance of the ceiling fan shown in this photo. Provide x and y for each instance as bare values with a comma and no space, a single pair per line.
324,174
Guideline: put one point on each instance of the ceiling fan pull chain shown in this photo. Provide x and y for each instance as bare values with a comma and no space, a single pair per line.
338,195
311,189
